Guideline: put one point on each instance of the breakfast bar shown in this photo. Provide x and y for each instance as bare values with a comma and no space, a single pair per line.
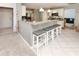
43,36
39,34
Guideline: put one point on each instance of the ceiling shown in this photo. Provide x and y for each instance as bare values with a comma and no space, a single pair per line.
44,5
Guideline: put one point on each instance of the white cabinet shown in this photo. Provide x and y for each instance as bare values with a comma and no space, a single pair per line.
60,11
55,11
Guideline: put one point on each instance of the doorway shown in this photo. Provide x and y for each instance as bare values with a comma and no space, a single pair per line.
6,20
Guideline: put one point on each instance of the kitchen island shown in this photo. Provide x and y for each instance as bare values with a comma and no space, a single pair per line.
39,34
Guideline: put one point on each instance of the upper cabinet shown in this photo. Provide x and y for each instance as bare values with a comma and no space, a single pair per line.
23,10
60,11
65,13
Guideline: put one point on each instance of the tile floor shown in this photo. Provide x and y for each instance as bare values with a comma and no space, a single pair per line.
67,44
11,44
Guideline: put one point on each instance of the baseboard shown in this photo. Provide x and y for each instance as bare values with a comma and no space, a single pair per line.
27,43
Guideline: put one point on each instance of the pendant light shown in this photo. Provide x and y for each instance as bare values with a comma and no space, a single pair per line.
41,10
48,10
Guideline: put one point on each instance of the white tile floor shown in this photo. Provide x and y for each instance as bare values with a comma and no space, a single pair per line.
67,44
11,44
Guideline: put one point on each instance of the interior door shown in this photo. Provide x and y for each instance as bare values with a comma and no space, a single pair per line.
6,18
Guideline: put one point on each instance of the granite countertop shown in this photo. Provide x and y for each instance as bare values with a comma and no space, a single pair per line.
41,31
51,27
